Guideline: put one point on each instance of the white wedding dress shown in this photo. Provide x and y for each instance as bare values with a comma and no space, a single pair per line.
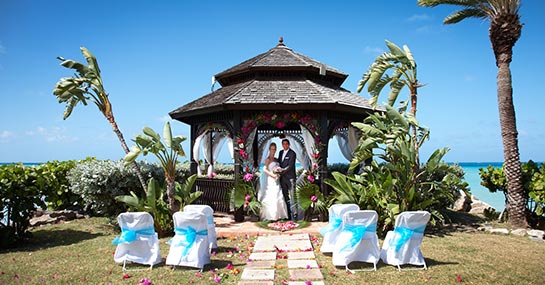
273,206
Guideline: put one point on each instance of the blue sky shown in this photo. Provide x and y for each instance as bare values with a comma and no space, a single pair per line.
158,55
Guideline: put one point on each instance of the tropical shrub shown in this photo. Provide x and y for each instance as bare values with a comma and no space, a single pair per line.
56,188
399,183
99,182
338,167
20,194
533,180
310,199
153,203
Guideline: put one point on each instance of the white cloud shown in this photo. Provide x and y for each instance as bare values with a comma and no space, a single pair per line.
369,49
419,17
164,119
54,134
423,30
5,136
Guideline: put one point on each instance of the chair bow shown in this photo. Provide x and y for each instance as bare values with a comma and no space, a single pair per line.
402,235
334,223
357,232
210,219
128,236
186,237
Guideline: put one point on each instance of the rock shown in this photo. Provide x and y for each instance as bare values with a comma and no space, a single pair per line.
485,228
64,215
42,220
462,203
480,207
501,231
519,232
536,233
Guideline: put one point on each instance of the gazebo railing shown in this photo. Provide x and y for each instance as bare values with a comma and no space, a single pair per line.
214,193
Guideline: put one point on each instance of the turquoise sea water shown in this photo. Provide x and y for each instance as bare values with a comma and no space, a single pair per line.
471,169
472,177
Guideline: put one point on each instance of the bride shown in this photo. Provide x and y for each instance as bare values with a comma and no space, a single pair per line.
273,206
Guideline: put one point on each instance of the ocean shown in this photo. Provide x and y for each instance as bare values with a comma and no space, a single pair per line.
472,177
471,169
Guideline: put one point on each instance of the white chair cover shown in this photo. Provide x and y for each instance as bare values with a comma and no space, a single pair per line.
209,213
138,241
333,228
358,240
189,246
402,245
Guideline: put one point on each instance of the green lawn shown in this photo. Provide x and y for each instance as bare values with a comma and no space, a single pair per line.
81,252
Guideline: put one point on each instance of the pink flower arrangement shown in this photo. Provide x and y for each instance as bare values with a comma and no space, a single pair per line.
311,178
313,198
314,165
283,226
280,124
248,177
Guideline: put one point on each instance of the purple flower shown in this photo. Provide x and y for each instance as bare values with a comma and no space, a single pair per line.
145,281
313,198
310,178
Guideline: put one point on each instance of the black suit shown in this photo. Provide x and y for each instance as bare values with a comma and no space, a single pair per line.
288,176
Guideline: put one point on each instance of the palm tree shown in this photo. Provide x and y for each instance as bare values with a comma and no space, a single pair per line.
87,85
402,66
505,29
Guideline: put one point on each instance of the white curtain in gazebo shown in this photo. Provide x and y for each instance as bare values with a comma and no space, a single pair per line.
309,144
348,141
196,152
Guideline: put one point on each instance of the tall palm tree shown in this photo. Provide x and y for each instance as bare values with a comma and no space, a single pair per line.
85,85
505,29
402,66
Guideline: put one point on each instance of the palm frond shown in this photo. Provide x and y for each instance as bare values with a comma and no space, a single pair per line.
464,14
433,3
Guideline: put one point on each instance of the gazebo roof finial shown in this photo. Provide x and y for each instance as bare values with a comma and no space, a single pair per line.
281,41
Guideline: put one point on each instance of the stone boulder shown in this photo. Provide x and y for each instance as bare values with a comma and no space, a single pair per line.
479,207
462,203
44,217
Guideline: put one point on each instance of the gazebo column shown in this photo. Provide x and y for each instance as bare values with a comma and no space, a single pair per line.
192,163
324,139
237,124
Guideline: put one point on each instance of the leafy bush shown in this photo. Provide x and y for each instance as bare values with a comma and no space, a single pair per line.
99,182
533,180
400,183
338,167
20,193
56,188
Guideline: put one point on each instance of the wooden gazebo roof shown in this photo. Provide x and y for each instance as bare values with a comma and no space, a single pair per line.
277,79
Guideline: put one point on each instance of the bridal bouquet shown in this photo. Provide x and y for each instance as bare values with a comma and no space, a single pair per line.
278,170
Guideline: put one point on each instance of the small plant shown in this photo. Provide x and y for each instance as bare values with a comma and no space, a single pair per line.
154,203
244,197
310,199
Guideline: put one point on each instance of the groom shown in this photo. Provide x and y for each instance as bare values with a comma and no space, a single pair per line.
286,158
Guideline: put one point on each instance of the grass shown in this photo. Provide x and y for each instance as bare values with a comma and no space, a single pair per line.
81,252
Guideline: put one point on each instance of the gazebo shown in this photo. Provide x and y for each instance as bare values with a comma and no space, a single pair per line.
279,93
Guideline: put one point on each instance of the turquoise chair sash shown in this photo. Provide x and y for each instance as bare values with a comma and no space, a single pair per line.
128,236
357,232
402,236
186,237
334,224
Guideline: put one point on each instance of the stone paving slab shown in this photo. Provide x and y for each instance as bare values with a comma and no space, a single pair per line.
306,274
294,245
257,283
303,283
262,256
288,237
301,255
257,274
302,263
261,264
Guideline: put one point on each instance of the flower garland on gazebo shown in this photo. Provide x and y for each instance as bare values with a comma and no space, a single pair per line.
280,121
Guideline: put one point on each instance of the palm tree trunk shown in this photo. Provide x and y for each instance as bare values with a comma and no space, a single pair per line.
135,166
171,190
516,196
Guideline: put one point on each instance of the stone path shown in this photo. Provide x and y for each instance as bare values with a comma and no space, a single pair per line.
266,260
